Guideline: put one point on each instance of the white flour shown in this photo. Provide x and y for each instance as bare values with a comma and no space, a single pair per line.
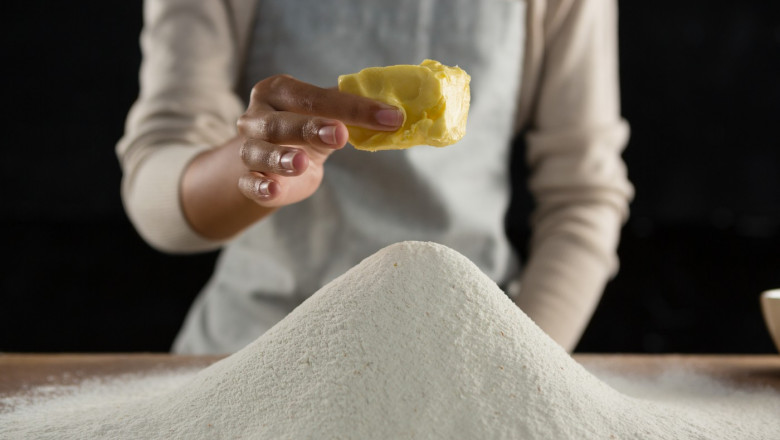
414,342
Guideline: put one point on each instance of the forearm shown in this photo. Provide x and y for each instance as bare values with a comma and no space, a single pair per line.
187,104
577,176
569,265
210,197
581,190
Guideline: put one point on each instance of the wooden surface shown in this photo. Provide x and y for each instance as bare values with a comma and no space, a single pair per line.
21,372
762,370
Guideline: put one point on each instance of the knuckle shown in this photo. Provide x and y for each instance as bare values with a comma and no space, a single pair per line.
268,126
270,160
309,131
249,186
279,80
261,157
257,92
246,153
277,83
243,124
270,84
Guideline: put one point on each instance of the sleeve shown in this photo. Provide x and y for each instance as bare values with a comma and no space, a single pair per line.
577,176
186,105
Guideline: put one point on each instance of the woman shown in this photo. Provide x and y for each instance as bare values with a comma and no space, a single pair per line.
270,181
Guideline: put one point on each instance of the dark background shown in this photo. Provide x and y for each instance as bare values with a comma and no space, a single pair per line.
700,89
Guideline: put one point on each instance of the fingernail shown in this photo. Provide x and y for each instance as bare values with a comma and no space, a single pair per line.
263,188
286,161
389,117
327,134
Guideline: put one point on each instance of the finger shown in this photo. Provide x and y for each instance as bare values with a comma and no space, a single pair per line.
288,128
265,157
259,188
286,93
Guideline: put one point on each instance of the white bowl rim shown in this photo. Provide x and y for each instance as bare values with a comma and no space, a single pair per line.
773,294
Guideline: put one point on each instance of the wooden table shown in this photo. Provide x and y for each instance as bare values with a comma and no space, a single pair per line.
20,372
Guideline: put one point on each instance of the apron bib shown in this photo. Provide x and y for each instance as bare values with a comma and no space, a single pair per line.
456,196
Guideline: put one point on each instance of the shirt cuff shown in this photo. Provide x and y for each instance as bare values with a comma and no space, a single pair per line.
152,200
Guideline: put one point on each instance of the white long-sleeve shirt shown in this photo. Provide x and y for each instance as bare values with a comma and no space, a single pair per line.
549,67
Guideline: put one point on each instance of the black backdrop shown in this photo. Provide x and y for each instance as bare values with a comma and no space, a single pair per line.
700,89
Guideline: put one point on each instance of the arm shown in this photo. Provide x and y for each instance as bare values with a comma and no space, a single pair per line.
185,106
578,178
181,191
278,157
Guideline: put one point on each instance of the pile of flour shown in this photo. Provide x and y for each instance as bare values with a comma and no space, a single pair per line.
414,342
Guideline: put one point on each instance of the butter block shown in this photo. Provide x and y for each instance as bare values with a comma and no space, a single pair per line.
434,99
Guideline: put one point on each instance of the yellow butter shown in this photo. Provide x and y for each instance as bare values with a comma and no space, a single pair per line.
434,99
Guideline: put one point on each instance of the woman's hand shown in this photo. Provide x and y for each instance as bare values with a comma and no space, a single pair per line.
289,130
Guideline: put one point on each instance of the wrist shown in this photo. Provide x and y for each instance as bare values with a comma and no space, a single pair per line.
211,201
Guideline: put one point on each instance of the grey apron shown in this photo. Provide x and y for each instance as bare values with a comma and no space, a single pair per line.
456,196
